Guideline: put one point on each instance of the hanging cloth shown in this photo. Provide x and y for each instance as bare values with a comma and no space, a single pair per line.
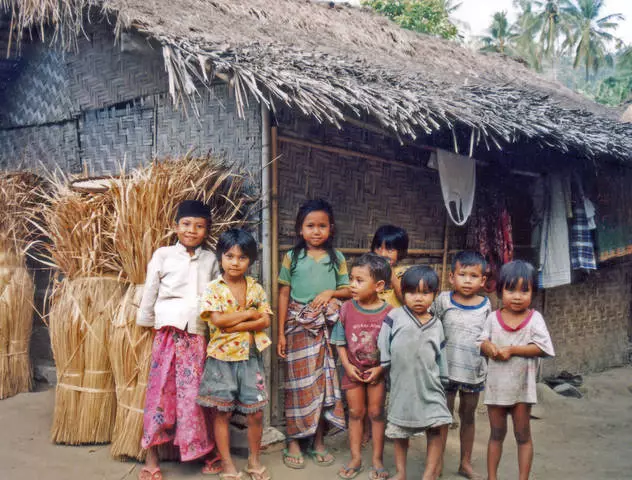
582,245
458,184
555,261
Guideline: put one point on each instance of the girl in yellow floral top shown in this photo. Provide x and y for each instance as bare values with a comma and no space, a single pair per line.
237,310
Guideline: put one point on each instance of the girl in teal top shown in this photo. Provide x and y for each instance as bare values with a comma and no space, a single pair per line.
313,278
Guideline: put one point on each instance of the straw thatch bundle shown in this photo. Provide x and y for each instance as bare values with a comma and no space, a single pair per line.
85,400
79,226
145,203
17,197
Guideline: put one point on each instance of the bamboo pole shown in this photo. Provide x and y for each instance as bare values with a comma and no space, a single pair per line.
412,252
446,241
350,153
274,377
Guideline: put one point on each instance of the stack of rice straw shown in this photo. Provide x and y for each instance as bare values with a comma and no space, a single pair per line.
84,299
145,204
17,198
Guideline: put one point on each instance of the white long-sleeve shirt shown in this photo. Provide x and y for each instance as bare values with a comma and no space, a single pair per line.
174,285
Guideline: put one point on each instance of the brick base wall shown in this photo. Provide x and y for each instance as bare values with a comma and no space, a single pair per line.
589,321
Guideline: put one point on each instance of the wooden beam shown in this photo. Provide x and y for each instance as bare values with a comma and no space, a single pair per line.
351,153
275,379
412,252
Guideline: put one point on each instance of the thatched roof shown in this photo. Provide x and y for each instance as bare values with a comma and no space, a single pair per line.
344,61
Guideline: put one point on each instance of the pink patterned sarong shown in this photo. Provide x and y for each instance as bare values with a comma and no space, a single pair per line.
171,413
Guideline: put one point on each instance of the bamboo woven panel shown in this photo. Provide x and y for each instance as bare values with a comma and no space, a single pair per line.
101,74
364,195
39,92
113,136
45,147
218,129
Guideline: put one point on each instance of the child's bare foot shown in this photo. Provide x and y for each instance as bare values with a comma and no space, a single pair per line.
399,476
257,471
378,472
351,469
468,472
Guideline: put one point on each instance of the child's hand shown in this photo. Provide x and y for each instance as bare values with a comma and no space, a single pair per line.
489,349
503,354
322,299
281,346
354,372
373,375
255,315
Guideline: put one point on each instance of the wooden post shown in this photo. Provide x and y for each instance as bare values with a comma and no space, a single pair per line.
446,250
274,377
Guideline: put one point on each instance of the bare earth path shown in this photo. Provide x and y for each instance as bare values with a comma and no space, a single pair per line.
583,439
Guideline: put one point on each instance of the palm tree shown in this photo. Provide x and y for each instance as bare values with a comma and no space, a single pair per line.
591,33
500,35
526,27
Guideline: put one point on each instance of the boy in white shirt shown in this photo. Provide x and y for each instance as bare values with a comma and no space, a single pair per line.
176,278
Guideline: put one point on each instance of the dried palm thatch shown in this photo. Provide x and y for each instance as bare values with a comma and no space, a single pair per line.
79,229
145,203
16,320
81,311
17,198
336,62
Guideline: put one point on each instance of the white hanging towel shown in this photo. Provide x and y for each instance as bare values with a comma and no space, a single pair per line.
555,261
458,184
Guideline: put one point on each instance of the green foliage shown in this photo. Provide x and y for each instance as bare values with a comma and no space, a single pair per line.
500,35
425,16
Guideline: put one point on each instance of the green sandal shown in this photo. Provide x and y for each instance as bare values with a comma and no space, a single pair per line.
313,454
295,466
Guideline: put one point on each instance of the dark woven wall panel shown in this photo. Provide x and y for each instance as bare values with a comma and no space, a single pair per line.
38,93
37,148
104,74
50,86
116,136
218,129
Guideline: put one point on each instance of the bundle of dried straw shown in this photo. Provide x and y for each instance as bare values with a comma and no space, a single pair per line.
83,303
17,198
145,204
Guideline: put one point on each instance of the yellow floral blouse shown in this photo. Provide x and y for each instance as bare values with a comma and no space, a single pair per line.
388,295
233,347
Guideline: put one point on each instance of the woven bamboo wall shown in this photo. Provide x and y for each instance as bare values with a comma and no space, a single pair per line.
364,193
45,147
50,86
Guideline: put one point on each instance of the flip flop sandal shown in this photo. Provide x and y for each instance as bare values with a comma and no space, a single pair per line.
296,466
150,474
378,474
230,476
321,463
349,472
258,474
213,466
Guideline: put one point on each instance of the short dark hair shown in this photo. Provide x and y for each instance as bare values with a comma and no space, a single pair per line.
236,237
379,268
468,258
193,208
420,273
391,237
511,273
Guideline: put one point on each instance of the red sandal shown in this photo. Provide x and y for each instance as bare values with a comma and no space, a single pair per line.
213,466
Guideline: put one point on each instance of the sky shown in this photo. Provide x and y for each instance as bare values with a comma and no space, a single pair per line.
478,14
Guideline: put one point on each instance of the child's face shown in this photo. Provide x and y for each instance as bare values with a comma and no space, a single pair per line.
420,301
363,285
388,253
191,231
316,229
235,263
467,280
517,300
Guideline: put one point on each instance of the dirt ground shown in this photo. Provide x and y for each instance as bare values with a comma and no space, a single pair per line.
583,439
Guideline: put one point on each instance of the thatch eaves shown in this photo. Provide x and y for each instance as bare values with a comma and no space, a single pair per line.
335,62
